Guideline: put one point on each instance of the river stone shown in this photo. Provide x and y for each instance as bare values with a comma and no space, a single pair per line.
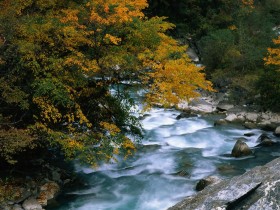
48,191
17,207
200,105
185,115
224,106
264,140
144,116
31,204
206,182
231,118
249,134
277,131
240,149
253,117
256,189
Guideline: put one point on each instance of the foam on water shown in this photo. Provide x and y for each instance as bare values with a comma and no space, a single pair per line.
174,156
158,118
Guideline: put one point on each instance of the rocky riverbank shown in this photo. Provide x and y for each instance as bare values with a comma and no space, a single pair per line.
249,116
33,186
256,189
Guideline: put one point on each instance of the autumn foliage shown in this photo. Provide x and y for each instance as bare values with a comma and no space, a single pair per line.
273,57
60,58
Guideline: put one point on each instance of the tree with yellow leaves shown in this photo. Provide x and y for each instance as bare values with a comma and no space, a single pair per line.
61,58
273,57
269,82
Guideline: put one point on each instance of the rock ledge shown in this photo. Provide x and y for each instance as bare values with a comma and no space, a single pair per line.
256,189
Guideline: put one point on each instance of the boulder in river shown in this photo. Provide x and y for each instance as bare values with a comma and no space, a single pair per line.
210,180
249,134
256,189
185,114
240,149
264,140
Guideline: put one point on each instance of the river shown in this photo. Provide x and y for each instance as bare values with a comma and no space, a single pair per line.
175,154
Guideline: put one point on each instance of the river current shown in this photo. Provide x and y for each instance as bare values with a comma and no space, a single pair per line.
174,155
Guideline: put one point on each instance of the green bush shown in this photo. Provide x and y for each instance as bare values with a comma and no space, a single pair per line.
269,88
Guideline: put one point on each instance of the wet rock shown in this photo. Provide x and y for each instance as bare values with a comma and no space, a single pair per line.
31,204
210,180
277,131
182,173
264,140
256,189
249,134
48,191
144,116
185,115
240,149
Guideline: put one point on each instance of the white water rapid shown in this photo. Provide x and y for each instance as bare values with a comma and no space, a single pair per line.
175,154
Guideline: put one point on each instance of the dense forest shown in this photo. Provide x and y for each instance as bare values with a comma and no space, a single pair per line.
59,59
234,40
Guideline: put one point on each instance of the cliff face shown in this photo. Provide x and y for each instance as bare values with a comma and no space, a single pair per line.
258,188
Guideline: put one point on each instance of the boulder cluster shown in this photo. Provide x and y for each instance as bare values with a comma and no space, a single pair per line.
38,191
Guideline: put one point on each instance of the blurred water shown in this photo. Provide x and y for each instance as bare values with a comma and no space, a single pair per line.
175,154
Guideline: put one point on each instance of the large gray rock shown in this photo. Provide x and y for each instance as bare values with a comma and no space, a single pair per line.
256,189
201,105
231,118
31,204
251,116
240,149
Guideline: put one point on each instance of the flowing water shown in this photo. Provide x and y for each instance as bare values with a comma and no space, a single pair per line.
175,154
